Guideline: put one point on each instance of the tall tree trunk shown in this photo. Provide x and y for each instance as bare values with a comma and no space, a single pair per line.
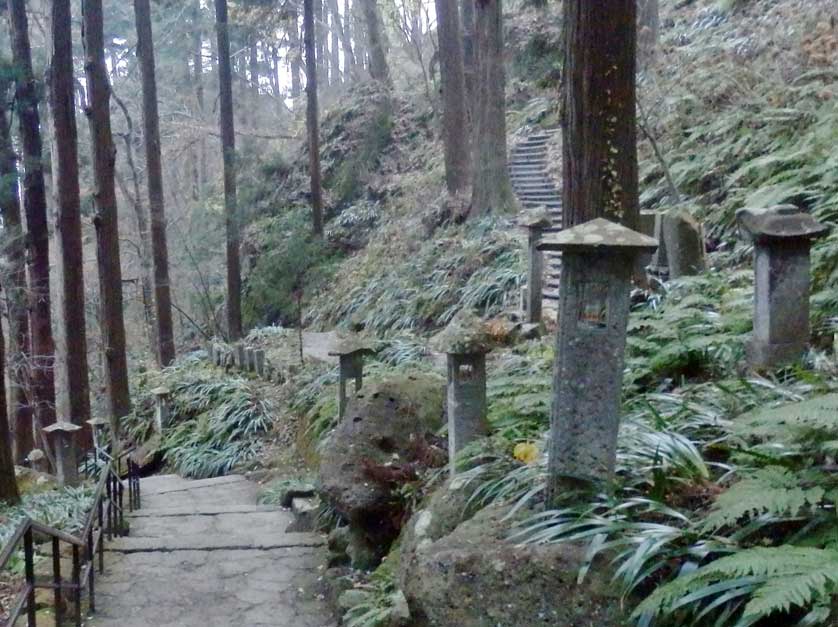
335,77
492,187
35,204
598,118
648,31
341,25
68,227
154,169
454,116
228,146
106,220
469,57
320,40
294,52
253,71
313,120
198,70
8,484
379,70
359,31
16,293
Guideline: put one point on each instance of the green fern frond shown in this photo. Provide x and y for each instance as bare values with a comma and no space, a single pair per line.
772,490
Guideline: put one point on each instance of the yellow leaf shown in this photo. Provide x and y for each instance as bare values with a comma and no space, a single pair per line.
526,452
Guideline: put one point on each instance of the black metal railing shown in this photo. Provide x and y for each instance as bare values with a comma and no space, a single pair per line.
105,520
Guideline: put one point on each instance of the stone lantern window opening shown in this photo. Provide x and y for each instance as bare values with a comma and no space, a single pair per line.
593,304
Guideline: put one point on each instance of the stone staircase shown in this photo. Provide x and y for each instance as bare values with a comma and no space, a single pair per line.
205,554
535,188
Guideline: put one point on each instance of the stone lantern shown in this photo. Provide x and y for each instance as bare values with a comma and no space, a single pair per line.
62,435
350,352
162,408
466,343
599,258
534,222
782,239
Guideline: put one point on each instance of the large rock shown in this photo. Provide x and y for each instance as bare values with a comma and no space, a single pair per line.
684,240
387,436
474,577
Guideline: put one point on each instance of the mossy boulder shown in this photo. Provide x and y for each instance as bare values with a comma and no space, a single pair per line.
475,577
385,439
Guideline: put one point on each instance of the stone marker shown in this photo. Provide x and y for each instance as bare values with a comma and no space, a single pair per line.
249,360
350,351
684,239
259,362
99,426
648,223
782,239
240,357
465,342
62,435
162,408
659,264
599,260
37,460
534,222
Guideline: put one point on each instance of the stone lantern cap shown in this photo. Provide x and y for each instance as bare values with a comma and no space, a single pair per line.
97,422
600,235
62,427
535,219
785,222
35,455
161,391
351,345
466,334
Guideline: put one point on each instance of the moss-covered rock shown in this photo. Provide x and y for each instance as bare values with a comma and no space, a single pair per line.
474,577
386,438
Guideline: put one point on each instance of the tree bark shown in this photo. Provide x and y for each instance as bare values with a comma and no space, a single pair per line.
73,361
335,76
42,369
379,70
469,58
198,70
106,220
341,24
8,484
16,292
294,52
454,114
492,186
599,113
156,202
228,146
313,120
321,49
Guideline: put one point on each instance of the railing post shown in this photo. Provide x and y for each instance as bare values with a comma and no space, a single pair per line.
29,557
77,584
120,491
110,507
101,537
56,580
91,573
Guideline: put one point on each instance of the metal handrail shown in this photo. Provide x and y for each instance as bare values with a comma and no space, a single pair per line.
105,519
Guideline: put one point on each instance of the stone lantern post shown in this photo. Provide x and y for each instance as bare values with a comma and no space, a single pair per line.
241,357
782,239
162,408
466,343
534,222
599,258
259,361
350,352
62,435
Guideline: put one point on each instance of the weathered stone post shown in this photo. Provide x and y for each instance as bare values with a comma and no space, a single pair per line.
250,360
162,408
684,237
259,361
240,357
99,426
599,259
62,436
466,343
534,222
350,352
782,239
659,264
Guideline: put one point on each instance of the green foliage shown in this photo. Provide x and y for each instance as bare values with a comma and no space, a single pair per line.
217,419
292,264
377,597
808,423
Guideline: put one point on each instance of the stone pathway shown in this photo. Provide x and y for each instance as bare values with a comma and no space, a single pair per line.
535,188
204,554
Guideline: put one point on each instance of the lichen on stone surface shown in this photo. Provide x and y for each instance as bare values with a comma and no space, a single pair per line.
466,334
